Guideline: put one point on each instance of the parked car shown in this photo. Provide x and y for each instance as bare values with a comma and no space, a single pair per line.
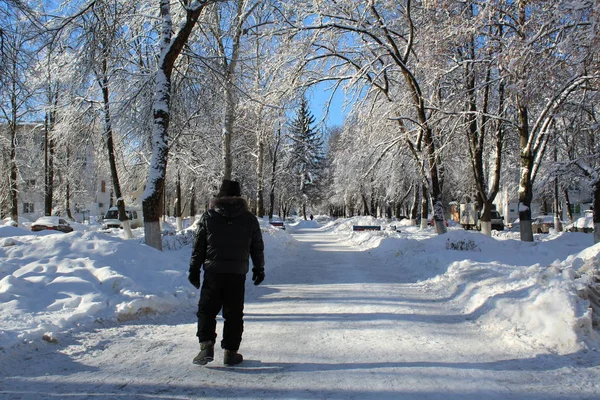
51,224
542,223
111,218
497,221
583,224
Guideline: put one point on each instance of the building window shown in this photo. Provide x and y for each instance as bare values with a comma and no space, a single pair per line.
100,205
103,186
575,208
30,183
27,208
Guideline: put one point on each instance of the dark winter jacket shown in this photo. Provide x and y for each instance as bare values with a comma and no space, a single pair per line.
227,236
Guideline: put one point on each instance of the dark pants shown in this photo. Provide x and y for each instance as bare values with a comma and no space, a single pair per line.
224,291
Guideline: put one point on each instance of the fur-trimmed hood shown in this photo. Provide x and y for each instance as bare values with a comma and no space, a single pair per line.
229,206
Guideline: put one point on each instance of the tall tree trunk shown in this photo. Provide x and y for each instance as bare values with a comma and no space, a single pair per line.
414,207
525,184
48,163
597,211
233,49
260,167
68,186
567,205
192,202
170,48
274,158
272,198
14,189
366,210
108,136
424,206
373,203
557,217
68,201
228,119
178,219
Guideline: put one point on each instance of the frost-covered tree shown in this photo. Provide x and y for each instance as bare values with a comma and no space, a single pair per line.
377,44
16,98
547,49
305,155
101,45
171,44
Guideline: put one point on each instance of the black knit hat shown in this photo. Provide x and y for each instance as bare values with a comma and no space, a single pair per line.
229,189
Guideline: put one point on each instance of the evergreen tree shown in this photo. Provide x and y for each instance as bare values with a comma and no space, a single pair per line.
305,156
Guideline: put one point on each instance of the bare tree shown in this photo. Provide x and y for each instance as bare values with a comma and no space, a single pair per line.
382,53
536,32
171,44
15,95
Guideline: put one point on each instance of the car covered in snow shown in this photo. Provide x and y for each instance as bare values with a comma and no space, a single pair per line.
542,223
582,224
51,224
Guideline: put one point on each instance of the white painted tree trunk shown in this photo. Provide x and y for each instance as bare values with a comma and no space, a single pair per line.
153,234
127,233
179,223
557,224
486,227
423,223
526,231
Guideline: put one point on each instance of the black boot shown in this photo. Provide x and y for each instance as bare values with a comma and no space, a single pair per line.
232,357
207,353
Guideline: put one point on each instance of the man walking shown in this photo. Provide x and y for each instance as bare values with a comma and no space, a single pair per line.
228,235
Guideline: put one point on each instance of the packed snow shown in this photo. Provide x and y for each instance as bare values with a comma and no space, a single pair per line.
396,313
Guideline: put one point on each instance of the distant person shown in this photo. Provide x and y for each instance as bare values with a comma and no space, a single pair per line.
311,217
228,235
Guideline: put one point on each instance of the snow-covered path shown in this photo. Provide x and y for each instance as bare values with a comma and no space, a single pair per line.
332,323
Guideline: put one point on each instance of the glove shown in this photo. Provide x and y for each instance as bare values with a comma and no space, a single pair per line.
258,277
194,278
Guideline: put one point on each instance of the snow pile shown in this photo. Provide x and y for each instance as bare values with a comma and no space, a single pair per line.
536,302
52,282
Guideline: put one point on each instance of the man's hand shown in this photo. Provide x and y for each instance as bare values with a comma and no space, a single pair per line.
258,277
194,278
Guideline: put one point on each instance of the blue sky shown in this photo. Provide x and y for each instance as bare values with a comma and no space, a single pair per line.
318,96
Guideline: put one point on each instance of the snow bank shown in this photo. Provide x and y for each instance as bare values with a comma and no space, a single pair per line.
515,289
526,292
51,282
